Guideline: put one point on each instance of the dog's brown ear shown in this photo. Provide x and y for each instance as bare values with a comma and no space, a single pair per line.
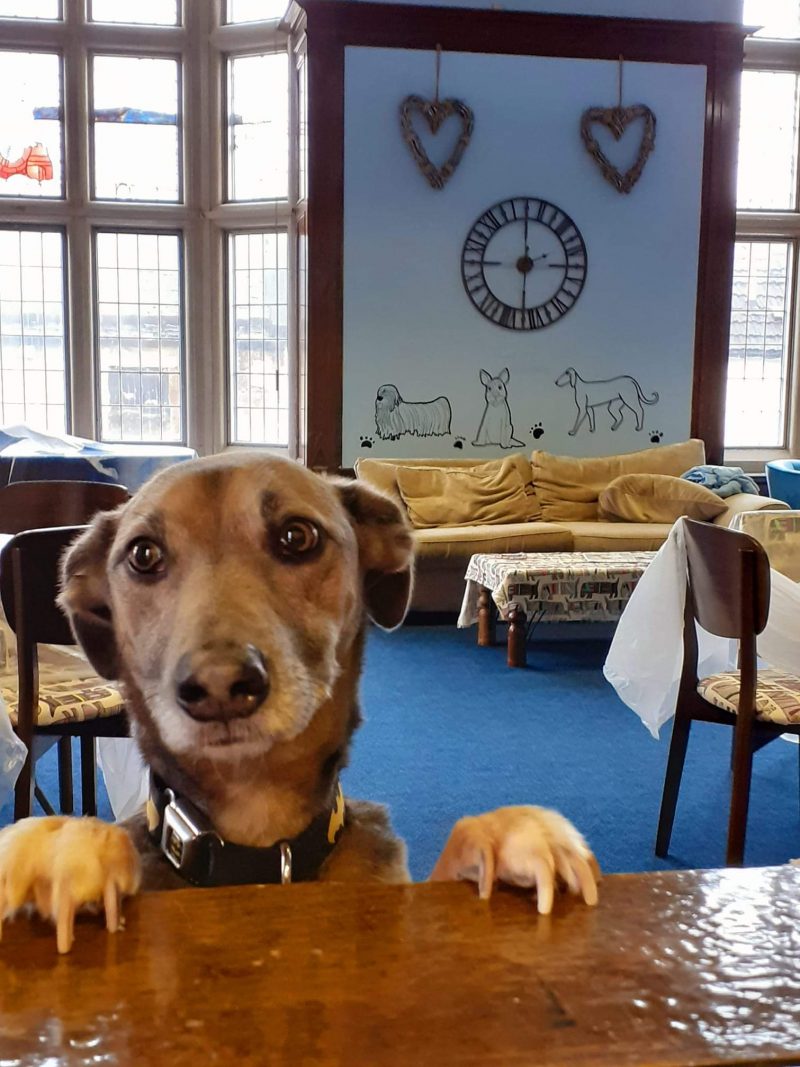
85,593
386,551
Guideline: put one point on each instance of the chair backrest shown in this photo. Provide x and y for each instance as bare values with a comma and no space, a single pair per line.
728,580
36,505
29,583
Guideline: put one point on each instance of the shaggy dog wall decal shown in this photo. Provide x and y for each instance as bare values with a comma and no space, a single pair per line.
616,394
496,427
422,418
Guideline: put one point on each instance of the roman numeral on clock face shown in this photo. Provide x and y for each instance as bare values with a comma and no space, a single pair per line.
558,304
490,305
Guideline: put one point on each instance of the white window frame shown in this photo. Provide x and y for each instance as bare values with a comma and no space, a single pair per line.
763,54
202,42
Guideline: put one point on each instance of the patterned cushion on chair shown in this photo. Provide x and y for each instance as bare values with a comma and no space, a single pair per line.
68,690
777,695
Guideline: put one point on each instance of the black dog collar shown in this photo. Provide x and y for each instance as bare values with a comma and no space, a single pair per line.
192,845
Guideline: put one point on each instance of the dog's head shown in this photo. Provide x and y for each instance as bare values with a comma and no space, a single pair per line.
567,378
496,391
387,398
229,595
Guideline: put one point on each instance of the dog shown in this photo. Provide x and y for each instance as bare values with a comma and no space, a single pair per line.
422,418
613,393
495,427
230,597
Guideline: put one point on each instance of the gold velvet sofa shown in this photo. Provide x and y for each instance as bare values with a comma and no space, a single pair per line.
564,512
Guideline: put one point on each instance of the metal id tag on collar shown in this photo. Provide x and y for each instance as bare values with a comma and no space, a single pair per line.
286,863
183,836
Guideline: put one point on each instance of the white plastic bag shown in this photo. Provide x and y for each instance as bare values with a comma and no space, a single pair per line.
124,773
779,644
645,659
12,755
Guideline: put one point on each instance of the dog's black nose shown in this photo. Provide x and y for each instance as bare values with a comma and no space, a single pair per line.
222,683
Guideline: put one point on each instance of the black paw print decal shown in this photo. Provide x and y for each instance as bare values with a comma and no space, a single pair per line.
656,436
458,443
366,442
537,431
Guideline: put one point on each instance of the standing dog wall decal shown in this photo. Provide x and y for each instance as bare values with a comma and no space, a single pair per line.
422,418
616,394
496,427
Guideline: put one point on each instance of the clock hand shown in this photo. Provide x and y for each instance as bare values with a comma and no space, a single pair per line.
557,266
526,227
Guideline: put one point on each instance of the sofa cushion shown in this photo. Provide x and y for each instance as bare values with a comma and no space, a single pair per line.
657,498
460,542
618,536
480,497
568,487
382,473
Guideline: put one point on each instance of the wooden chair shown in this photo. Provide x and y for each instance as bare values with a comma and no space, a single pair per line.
40,504
728,591
78,704
37,505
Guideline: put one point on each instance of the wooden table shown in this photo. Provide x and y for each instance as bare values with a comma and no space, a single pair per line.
671,968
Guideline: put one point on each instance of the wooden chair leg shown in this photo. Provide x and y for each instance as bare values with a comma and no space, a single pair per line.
46,806
23,790
65,794
740,799
88,776
672,782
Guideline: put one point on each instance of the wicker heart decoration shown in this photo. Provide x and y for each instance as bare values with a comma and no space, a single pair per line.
617,119
435,112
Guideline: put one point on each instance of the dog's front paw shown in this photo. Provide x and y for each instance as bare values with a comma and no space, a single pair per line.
534,848
59,865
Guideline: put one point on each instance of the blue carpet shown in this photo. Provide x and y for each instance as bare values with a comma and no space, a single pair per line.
450,730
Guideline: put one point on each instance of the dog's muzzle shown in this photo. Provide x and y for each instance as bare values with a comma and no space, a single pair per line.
221,682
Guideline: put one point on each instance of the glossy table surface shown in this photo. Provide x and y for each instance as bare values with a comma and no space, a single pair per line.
671,968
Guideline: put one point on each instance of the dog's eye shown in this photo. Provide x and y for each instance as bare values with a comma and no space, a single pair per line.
296,538
145,556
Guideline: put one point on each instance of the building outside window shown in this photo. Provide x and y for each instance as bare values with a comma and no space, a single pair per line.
148,181
762,414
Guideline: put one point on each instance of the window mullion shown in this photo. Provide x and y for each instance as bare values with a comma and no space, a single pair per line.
205,392
83,411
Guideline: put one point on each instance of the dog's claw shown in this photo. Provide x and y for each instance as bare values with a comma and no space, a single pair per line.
58,865
534,848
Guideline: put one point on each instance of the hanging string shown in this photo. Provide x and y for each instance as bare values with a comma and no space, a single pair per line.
438,71
619,83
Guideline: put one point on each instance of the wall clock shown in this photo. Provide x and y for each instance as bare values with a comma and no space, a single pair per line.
524,263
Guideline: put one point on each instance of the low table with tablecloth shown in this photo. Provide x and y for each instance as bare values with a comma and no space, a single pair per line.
526,587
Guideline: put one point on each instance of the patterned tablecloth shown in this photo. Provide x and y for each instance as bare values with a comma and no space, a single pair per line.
560,586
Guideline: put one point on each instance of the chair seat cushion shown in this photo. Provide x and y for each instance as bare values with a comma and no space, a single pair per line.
68,689
777,695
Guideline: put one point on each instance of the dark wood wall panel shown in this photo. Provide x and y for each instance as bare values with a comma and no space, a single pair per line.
332,25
